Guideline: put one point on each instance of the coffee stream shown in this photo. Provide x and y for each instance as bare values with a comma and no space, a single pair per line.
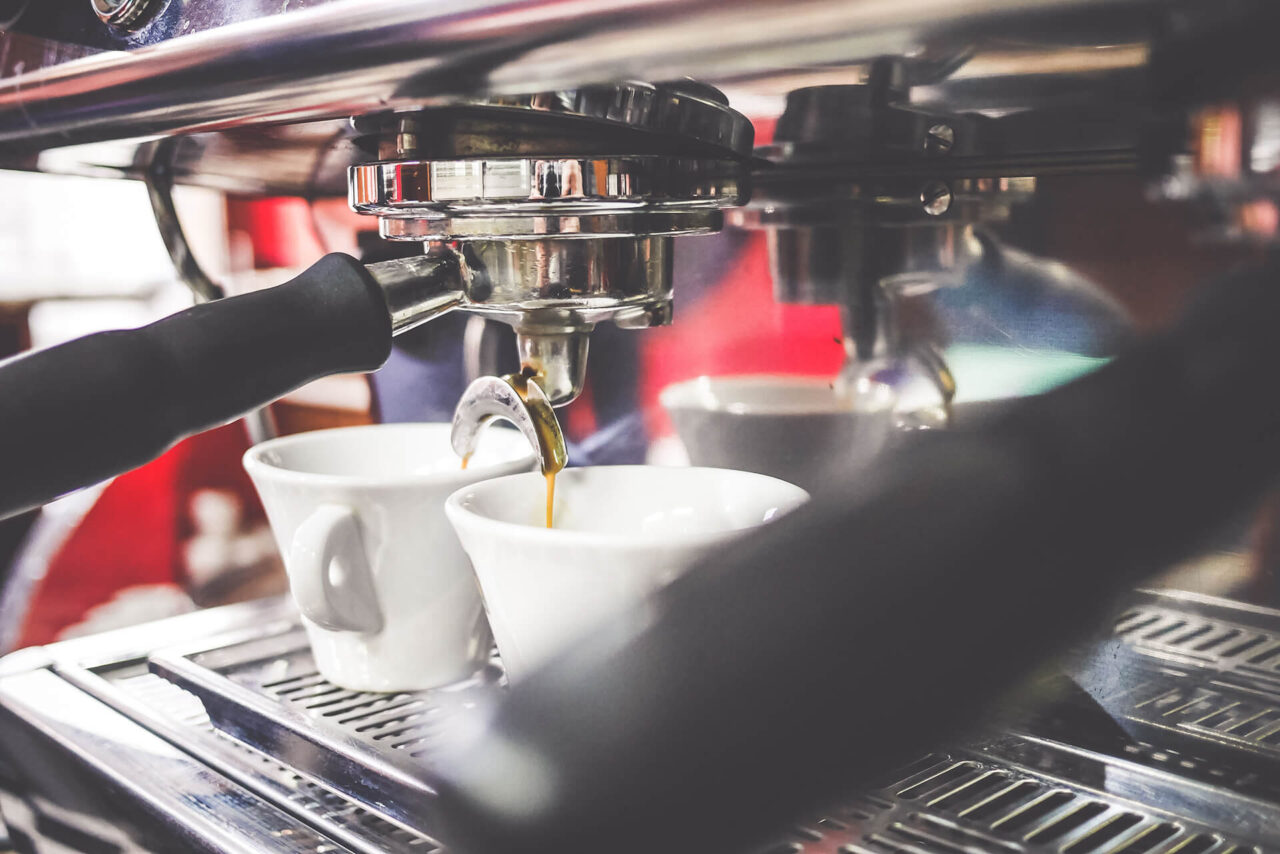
548,430
551,494
549,435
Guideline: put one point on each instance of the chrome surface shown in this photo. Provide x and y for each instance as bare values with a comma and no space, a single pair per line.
178,716
537,186
1008,793
518,400
123,14
1017,795
97,690
567,284
556,359
374,748
497,226
571,122
351,57
939,139
518,198
238,733
1195,674
419,289
552,245
935,198
868,205
158,178
121,776
552,292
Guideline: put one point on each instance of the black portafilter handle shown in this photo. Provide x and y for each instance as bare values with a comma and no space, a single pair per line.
87,410
819,652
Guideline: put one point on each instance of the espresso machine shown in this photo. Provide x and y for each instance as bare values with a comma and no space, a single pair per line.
950,651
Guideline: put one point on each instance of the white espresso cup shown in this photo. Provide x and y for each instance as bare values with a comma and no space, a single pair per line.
620,533
795,428
387,595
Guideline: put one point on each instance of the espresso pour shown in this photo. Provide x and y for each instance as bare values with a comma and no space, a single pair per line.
519,399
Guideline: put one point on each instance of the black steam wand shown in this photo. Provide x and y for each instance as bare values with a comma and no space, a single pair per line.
81,412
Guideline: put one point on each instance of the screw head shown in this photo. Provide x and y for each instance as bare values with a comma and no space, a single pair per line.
935,197
123,14
939,139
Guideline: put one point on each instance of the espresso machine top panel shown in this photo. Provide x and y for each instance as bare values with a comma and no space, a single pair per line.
248,72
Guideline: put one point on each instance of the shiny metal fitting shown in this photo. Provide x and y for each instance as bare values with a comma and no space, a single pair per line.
557,358
554,240
518,399
517,198
552,292
566,283
122,14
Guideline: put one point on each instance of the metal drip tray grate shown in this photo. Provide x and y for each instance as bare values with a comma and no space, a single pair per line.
377,748
397,721
1211,641
373,747
1205,679
961,806
340,817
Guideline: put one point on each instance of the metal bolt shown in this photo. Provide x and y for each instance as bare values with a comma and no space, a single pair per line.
123,14
939,139
936,198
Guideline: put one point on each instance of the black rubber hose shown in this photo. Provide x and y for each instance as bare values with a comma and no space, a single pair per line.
87,410
814,654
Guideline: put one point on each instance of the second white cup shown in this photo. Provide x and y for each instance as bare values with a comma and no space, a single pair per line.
388,598
620,533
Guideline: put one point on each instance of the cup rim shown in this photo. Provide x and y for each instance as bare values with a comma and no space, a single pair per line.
256,466
457,512
675,397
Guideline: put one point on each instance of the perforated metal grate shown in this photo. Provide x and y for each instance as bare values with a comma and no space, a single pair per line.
1199,678
1225,645
343,818
962,806
399,721
372,748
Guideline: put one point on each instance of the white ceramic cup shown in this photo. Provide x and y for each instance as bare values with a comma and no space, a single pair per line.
795,428
802,430
387,595
620,533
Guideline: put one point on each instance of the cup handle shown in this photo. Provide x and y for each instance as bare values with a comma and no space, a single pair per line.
331,535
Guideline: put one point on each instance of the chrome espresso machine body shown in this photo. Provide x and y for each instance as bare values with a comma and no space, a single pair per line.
947,651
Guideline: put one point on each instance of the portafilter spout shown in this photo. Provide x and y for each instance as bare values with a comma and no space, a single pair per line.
516,398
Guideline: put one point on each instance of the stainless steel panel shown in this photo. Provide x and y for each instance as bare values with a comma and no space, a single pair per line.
1195,674
356,56
1007,793
180,718
375,748
119,785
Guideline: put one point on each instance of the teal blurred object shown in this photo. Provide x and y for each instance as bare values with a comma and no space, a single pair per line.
987,372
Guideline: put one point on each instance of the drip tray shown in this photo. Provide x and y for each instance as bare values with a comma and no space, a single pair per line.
1199,676
986,799
373,747
1009,794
